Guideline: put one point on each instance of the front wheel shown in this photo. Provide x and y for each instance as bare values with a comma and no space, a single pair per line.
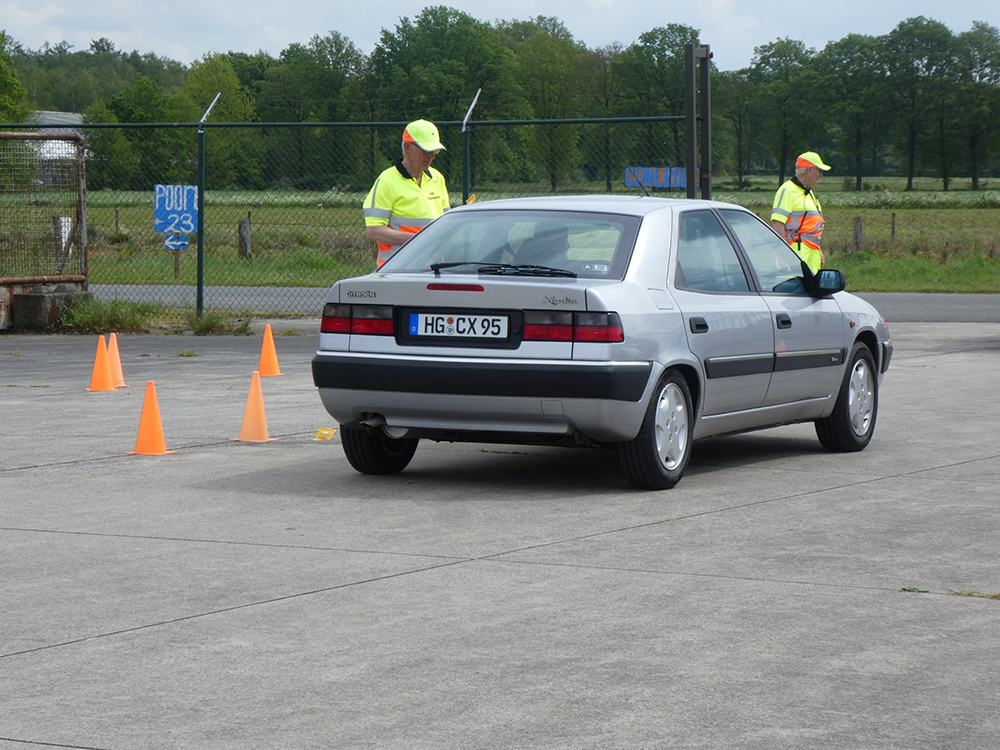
370,451
656,458
849,428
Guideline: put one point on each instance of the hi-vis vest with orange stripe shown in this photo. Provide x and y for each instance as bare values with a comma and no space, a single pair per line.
802,216
396,201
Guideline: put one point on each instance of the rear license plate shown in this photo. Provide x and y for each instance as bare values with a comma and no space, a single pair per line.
459,326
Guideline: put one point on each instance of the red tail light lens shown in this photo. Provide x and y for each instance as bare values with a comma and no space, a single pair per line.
336,319
377,321
548,326
601,327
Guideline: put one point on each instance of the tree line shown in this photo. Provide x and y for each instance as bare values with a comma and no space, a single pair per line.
919,100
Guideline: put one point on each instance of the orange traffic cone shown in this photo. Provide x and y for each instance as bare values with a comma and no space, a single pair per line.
100,379
150,441
254,428
268,357
117,377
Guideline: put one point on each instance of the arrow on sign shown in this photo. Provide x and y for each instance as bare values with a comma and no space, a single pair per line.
175,241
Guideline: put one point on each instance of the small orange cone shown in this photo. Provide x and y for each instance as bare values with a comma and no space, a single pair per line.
101,379
117,377
268,357
150,441
254,428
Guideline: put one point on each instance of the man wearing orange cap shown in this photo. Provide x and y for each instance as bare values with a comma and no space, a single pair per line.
797,215
409,195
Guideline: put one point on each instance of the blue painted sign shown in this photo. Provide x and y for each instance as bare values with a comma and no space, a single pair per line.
175,209
656,177
175,242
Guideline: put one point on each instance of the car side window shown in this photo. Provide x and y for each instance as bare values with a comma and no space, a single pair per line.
706,259
778,267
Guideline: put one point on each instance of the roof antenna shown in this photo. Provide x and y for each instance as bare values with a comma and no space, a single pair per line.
639,179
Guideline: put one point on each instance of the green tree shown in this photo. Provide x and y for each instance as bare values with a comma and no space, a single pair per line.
160,150
113,162
550,71
785,97
732,106
251,70
602,91
233,156
854,85
918,53
652,75
978,63
431,68
59,79
13,96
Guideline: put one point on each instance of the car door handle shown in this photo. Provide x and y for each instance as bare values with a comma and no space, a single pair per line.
784,320
698,325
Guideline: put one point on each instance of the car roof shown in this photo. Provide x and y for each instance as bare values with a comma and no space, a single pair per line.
633,205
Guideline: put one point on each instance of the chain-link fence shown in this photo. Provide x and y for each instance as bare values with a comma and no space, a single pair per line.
43,208
282,216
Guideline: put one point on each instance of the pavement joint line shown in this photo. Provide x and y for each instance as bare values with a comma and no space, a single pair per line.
718,576
232,542
95,459
226,610
52,744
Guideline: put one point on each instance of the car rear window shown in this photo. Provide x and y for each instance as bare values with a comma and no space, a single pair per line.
591,245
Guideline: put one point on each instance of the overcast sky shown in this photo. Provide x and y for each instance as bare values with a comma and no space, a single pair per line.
186,30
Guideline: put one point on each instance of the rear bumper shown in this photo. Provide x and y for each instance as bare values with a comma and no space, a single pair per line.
604,401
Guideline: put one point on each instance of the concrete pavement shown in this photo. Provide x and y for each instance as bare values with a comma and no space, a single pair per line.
244,595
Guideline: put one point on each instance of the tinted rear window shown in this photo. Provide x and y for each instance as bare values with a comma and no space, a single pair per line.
591,245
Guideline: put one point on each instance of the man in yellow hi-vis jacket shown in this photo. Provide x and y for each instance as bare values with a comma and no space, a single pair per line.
409,195
797,215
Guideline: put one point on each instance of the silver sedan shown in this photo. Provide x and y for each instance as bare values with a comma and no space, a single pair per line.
631,323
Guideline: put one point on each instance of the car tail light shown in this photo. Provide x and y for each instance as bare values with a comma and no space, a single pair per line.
565,326
548,326
336,319
604,327
366,319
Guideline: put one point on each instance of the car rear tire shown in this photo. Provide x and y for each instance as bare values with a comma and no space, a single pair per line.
370,451
656,458
849,428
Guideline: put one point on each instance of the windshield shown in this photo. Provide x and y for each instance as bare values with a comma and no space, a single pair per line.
509,242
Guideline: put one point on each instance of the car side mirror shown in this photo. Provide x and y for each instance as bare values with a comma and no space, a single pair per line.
829,281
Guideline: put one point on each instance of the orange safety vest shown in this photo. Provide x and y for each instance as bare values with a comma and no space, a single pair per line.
798,208
398,202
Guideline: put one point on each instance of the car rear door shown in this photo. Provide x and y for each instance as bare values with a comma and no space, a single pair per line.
728,324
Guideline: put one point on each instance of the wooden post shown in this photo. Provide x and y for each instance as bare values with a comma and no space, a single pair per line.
859,228
892,241
246,251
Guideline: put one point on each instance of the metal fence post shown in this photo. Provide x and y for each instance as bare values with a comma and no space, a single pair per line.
200,294
200,304
465,148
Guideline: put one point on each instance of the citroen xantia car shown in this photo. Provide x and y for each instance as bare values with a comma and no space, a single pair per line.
635,324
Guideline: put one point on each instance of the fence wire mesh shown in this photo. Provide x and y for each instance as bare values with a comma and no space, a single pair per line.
283,203
42,205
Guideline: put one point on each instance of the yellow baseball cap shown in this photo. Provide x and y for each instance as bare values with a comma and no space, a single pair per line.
810,159
424,134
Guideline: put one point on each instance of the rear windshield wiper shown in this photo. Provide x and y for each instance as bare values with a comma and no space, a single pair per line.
505,269
435,267
511,269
